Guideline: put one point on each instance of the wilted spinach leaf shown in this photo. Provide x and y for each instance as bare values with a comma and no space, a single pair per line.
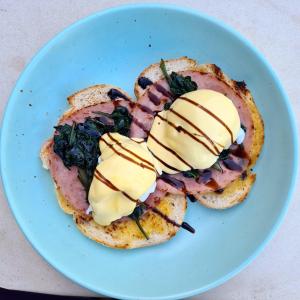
217,166
178,84
167,105
224,154
191,174
135,215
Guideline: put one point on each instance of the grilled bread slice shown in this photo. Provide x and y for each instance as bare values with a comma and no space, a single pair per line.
125,234
237,190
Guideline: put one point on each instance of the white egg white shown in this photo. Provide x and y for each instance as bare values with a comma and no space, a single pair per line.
241,136
148,192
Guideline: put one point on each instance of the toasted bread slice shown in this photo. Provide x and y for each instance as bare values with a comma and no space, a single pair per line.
233,194
123,233
237,191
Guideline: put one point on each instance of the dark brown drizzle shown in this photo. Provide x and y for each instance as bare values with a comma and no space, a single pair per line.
210,113
232,165
212,184
163,91
180,128
178,184
239,151
170,150
195,127
101,178
143,82
153,98
204,176
129,151
164,163
139,142
139,124
145,109
127,157
114,94
105,181
184,225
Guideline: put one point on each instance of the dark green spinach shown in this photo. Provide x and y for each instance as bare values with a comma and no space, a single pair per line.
78,145
217,166
167,105
135,215
191,174
178,84
224,154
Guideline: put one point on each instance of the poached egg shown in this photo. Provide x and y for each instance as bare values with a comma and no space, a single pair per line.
194,131
126,171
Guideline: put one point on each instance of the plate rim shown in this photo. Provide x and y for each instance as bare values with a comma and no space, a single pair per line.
180,9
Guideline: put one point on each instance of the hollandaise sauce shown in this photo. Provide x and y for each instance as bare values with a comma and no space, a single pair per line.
147,165
169,149
195,130
210,113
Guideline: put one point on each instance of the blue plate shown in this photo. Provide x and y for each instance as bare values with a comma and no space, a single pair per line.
113,46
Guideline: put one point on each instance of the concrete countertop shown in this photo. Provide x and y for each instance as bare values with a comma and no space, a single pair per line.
273,26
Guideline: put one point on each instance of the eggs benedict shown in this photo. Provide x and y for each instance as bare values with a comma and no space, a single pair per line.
194,131
127,171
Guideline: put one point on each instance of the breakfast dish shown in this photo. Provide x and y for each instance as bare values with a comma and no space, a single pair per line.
123,168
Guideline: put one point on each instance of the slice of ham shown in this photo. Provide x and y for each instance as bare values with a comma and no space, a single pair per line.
144,119
144,112
66,180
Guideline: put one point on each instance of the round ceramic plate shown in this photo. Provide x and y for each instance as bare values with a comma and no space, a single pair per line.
113,47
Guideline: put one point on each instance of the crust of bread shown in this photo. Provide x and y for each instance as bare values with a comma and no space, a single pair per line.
123,233
233,194
153,72
44,154
237,191
93,95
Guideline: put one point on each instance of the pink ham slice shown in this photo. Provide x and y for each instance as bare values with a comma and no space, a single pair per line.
143,122
145,110
66,180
